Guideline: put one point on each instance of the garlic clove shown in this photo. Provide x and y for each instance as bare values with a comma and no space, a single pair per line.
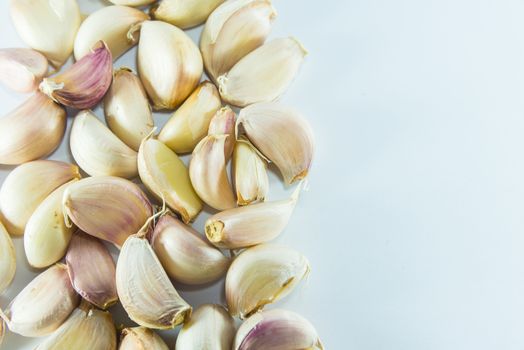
98,151
31,131
169,64
107,207
185,255
210,327
144,289
223,123
47,26
133,3
167,177
190,122
27,186
208,173
141,338
85,83
262,275
233,30
282,135
184,13
22,69
2,330
250,174
91,270
127,109
7,263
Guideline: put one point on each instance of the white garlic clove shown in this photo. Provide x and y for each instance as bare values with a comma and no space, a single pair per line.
141,338
249,173
22,69
223,123
134,3
7,263
184,13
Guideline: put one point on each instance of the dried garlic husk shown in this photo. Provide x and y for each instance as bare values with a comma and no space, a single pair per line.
169,64
134,3
184,13
141,338
249,173
223,123
262,275
210,328
22,69
7,262
27,186
98,151
190,122
31,131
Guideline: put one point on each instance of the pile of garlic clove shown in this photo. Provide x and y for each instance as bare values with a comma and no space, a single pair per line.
130,187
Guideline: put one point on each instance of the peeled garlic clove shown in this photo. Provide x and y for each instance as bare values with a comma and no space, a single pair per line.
276,330
185,255
134,3
22,69
190,122
98,151
27,186
210,328
223,123
107,207
167,177
31,131
7,263
141,338
144,289
262,275
127,109
208,173
250,174
91,270
85,83
282,135
48,26
169,64
184,13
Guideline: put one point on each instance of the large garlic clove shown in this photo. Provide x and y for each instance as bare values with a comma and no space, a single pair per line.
98,151
249,173
185,255
144,289
43,305
210,328
141,338
85,83
91,270
134,3
22,69
282,135
262,275
208,173
27,186
276,330
169,64
7,262
31,131
48,26
190,122
127,109
223,123
107,207
167,177
184,13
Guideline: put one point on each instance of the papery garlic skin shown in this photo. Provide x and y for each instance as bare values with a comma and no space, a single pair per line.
134,3
141,338
223,123
184,13
22,69
249,173
7,262
47,26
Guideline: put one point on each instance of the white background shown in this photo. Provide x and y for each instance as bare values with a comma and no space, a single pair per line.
413,220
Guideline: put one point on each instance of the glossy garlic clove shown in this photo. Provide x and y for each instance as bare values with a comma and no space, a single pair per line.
249,173
223,123
7,262
22,69
184,13
141,338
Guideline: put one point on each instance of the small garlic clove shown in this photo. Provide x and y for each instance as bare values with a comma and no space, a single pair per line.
134,3
91,270
210,328
184,13
250,174
141,338
167,177
262,275
144,289
282,135
264,74
223,123
185,255
169,64
85,83
208,173
98,151
43,305
233,30
127,109
22,69
31,131
107,207
7,263
277,330
27,186
47,26
190,122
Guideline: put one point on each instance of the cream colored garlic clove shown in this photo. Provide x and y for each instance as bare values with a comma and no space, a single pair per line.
249,173
223,123
210,328
262,275
190,122
98,151
233,30
167,177
31,131
127,109
169,64
22,69
282,135
7,263
141,338
133,3
27,186
184,13
185,255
